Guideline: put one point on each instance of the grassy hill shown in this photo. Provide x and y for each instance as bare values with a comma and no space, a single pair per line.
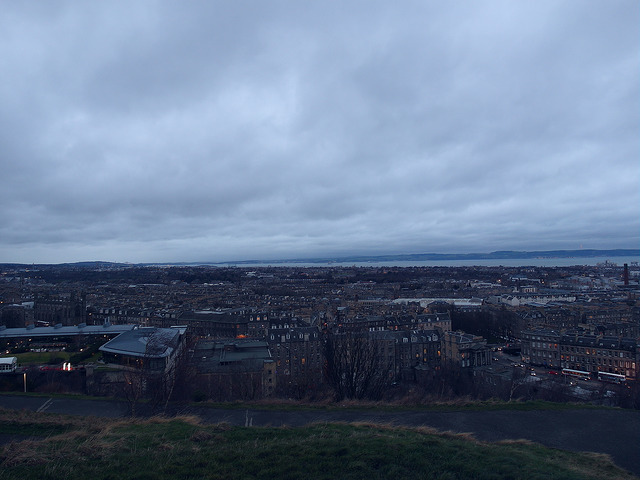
182,448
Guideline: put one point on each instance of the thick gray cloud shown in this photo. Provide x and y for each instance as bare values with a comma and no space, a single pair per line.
152,131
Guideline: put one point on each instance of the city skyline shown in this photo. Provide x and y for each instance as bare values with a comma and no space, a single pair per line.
212,132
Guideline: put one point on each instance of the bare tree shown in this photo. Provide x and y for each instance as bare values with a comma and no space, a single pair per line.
152,375
518,379
353,367
134,386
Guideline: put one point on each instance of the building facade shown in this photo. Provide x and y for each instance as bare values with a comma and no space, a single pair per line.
595,354
541,347
465,350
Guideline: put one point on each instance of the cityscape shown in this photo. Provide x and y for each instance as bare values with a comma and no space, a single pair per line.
206,333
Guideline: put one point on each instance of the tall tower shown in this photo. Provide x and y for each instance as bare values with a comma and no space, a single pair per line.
625,276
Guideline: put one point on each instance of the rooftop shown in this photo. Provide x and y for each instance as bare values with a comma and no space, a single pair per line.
145,342
64,331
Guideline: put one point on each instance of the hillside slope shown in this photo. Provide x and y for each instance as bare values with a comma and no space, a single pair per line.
82,447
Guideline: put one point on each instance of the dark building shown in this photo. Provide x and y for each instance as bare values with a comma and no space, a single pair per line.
16,316
64,309
372,323
235,369
405,351
297,352
228,323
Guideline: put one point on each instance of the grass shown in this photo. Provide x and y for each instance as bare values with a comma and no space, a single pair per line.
295,405
40,358
444,406
185,449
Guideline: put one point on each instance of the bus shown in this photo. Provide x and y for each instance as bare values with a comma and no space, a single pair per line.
611,377
576,373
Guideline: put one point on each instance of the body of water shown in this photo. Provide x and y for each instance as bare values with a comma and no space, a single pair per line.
510,262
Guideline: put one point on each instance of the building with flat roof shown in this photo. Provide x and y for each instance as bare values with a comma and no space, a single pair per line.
60,330
153,348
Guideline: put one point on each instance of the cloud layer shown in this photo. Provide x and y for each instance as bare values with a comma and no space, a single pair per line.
213,131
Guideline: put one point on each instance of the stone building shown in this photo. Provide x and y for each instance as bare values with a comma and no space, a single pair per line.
372,323
541,347
227,323
465,350
234,369
590,353
64,309
577,350
17,315
405,351
298,356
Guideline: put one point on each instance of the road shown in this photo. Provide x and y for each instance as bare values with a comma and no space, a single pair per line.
612,431
547,377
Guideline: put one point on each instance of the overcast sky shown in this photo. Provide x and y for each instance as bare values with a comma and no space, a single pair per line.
206,131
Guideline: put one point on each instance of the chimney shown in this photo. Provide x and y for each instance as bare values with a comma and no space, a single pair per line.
626,275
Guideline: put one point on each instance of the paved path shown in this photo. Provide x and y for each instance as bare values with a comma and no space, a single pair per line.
612,431
68,406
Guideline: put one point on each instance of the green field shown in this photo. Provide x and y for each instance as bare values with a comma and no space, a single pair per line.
40,358
44,358
182,448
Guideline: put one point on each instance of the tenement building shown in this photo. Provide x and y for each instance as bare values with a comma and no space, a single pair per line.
297,353
64,309
580,351
227,323
405,351
541,347
375,323
595,354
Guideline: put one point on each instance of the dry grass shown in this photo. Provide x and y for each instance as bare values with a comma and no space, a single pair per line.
518,441
183,447
71,446
26,417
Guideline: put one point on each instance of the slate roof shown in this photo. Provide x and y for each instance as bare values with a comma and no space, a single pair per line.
64,331
144,342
